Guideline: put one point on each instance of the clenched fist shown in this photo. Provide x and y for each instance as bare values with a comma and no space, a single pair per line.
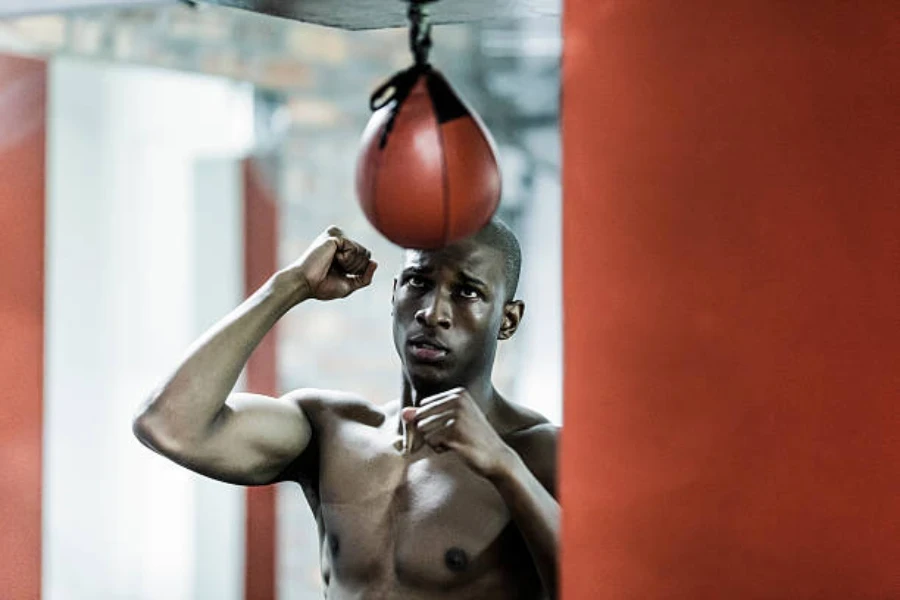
332,267
452,421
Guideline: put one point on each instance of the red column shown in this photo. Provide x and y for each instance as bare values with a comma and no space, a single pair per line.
732,305
261,260
23,84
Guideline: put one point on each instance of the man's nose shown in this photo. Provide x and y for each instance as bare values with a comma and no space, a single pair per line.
435,312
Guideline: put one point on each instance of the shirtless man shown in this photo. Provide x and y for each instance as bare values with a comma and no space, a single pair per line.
447,492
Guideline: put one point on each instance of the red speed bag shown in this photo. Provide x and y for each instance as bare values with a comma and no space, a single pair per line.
427,173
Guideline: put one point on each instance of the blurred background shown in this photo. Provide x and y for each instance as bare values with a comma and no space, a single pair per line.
156,115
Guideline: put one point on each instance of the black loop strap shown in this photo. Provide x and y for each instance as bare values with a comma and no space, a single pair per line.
395,90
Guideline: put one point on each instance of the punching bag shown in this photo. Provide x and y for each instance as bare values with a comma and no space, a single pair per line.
427,173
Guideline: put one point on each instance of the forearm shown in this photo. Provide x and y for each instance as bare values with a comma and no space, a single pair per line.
537,515
189,401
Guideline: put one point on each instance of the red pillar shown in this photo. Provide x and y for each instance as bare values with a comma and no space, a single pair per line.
23,84
732,305
261,260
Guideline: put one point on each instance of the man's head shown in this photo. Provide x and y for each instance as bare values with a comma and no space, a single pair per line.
500,237
453,304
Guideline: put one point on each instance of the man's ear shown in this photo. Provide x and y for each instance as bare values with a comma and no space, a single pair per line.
512,315
393,295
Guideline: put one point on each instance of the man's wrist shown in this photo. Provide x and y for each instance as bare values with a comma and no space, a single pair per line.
290,287
508,469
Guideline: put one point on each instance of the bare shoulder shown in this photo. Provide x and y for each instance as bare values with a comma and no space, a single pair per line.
325,410
537,442
322,406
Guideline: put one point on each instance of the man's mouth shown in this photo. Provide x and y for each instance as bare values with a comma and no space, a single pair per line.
427,351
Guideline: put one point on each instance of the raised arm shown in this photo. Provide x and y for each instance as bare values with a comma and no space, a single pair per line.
194,420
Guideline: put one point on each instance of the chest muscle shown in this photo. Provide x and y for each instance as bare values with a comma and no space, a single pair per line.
424,519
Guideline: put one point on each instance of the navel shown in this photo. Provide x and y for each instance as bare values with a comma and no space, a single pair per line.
456,560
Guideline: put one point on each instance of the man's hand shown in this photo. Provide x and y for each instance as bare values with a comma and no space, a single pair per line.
453,421
332,267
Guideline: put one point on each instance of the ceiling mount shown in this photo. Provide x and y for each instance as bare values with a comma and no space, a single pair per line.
380,14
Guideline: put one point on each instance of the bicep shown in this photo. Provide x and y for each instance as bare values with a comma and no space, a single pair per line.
253,439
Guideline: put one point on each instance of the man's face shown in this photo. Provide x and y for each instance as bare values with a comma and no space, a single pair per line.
448,311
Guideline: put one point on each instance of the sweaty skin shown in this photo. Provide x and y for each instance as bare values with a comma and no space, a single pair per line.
446,492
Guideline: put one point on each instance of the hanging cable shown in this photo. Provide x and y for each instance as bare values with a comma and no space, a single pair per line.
398,87
419,31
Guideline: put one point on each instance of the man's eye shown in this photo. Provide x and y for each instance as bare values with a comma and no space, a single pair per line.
469,293
415,281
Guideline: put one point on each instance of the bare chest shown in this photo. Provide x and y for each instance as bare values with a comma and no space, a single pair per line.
423,520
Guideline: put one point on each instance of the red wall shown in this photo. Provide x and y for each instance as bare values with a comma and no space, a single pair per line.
22,113
260,261
732,306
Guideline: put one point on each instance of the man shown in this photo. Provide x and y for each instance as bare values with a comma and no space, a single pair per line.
446,492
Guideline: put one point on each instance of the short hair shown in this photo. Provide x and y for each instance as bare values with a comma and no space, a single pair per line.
499,236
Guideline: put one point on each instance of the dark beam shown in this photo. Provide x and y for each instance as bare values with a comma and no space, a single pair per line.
379,14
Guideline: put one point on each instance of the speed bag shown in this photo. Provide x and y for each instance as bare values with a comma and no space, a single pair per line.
427,173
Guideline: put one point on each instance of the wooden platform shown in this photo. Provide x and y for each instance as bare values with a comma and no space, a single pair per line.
378,14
